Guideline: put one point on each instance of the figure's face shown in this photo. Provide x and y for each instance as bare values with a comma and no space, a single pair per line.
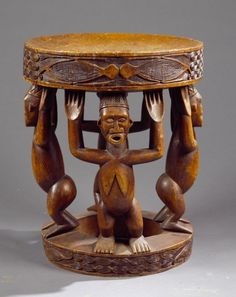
114,123
31,112
197,110
32,101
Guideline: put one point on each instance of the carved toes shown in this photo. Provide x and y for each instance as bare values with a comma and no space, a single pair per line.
139,245
105,245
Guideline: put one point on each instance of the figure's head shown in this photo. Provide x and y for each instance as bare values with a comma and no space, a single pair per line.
114,121
196,107
31,102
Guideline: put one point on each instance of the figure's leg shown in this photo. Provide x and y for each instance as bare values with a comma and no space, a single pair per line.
171,195
134,221
95,194
60,196
106,240
162,214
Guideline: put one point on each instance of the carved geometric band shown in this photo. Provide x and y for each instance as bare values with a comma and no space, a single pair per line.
116,266
115,72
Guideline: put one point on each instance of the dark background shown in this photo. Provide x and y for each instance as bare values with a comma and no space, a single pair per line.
24,269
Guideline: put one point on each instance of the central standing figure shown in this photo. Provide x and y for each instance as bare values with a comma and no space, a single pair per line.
114,182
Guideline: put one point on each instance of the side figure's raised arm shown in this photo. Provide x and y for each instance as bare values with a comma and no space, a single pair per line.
180,98
74,105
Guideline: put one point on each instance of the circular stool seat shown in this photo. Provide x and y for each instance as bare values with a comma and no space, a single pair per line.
112,61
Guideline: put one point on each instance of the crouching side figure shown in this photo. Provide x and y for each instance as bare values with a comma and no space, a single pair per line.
182,158
47,160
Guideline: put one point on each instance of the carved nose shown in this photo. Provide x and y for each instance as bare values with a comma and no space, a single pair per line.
116,125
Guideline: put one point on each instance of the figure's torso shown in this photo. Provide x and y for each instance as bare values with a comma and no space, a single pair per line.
116,186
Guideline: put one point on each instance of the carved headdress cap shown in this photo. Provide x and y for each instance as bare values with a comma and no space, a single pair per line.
113,99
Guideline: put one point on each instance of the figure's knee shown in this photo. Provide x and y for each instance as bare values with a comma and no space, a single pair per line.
171,194
167,189
61,194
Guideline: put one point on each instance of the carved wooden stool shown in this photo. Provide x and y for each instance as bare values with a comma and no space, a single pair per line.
115,238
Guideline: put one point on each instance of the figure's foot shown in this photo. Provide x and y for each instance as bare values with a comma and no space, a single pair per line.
92,208
105,245
184,221
162,214
59,229
139,245
176,226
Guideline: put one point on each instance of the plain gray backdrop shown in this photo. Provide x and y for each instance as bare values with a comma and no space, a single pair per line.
24,270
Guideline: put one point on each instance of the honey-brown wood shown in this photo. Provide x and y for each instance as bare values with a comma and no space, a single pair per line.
75,250
113,61
47,160
182,158
117,238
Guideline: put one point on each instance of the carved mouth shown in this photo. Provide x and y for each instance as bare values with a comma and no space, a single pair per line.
116,138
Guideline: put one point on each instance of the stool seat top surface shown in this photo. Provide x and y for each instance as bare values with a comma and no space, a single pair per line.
112,61
112,44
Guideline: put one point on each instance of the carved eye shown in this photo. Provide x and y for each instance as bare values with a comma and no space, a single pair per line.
122,120
110,120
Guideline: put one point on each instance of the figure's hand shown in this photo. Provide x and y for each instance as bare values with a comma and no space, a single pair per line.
74,105
46,98
43,99
155,105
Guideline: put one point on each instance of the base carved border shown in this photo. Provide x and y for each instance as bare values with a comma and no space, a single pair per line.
74,251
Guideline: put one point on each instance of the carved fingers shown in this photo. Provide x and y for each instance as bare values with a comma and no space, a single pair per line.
155,105
74,105
43,98
46,100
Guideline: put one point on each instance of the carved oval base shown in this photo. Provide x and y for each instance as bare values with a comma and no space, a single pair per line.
74,250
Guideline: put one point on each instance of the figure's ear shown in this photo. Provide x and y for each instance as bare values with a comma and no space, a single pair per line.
130,123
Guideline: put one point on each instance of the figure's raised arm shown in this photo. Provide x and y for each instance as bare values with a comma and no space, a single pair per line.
180,98
144,123
155,107
46,117
74,106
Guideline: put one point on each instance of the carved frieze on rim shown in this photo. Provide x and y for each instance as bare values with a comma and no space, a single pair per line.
118,266
113,71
